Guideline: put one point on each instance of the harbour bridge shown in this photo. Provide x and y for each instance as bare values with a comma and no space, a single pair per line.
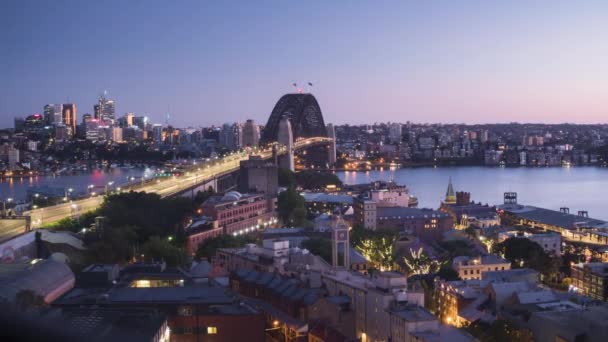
295,126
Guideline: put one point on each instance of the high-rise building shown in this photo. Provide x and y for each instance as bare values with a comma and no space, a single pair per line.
117,134
157,133
394,133
61,132
141,122
231,136
86,118
129,119
251,133
91,127
69,117
13,157
53,114
104,109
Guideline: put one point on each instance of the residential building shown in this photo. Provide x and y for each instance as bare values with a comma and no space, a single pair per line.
474,267
590,279
251,133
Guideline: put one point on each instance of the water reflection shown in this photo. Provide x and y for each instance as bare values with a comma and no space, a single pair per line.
579,188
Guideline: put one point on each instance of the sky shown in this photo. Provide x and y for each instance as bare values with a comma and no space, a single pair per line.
210,62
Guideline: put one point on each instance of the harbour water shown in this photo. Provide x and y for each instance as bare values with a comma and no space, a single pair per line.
578,188
16,188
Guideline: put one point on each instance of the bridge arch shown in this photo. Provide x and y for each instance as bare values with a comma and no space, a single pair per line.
304,114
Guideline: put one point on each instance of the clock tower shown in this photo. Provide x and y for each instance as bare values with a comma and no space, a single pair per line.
340,245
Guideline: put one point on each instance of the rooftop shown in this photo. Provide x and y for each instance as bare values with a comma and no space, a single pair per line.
327,198
412,313
553,217
409,213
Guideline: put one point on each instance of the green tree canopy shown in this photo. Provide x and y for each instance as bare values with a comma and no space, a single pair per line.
316,180
287,178
526,253
157,249
320,247
209,247
292,207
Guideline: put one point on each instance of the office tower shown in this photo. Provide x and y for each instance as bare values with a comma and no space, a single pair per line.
86,118
69,117
52,114
129,119
49,113
141,122
251,133
104,109
157,133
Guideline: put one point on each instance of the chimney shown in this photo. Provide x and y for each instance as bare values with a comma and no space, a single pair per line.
564,210
583,213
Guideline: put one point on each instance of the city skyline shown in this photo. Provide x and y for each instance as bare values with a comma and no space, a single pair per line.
470,63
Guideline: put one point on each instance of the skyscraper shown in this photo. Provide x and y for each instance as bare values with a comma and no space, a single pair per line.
251,133
69,117
157,133
52,114
105,109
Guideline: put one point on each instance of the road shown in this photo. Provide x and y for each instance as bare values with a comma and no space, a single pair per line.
164,187
194,176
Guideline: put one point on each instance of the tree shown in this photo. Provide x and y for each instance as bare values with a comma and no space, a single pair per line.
292,207
498,331
287,178
419,262
151,214
320,247
448,273
209,247
113,245
471,232
315,180
157,249
202,196
526,253
379,250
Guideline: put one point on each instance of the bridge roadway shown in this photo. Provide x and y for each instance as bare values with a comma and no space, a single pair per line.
165,187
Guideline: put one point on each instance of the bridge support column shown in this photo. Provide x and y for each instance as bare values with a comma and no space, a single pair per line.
285,137
331,150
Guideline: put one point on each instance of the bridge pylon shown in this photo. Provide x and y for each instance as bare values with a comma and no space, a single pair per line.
331,133
285,137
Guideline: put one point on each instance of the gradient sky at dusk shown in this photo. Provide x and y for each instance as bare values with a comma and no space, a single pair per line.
210,62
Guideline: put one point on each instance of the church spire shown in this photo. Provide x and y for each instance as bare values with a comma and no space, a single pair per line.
450,196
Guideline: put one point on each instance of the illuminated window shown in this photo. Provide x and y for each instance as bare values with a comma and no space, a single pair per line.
211,330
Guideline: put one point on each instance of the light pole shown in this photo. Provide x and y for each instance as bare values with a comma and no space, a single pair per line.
4,205
108,186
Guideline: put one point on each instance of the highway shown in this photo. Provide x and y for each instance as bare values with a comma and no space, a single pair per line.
165,187
192,177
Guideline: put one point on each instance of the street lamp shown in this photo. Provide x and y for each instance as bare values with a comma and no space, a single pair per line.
4,205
